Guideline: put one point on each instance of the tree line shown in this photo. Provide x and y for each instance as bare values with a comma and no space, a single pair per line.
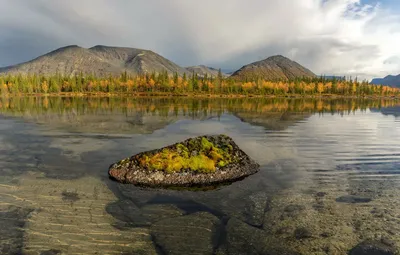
165,83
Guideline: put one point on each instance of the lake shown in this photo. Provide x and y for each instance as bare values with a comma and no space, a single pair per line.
329,177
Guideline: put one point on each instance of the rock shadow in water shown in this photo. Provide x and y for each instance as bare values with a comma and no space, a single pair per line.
12,222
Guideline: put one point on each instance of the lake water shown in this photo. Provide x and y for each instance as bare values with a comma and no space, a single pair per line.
329,177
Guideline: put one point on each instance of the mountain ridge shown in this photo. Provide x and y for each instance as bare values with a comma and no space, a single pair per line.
102,60
98,60
389,80
273,68
201,70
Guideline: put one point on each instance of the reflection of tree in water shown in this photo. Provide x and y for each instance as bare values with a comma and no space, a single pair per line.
144,115
137,119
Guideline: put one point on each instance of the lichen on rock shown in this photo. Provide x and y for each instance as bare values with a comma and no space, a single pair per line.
201,160
200,155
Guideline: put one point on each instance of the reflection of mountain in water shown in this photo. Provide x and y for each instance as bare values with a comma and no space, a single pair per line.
106,122
272,120
145,115
395,111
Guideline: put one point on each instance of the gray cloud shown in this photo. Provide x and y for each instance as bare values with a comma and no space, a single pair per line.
20,45
341,37
318,55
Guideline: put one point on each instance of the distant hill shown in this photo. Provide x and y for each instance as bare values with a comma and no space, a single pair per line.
390,80
333,77
99,60
273,68
202,70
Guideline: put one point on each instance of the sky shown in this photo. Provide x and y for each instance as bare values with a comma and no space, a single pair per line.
332,37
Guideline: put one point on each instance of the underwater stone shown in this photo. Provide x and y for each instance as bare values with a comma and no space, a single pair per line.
302,233
70,196
195,233
245,239
320,194
294,209
217,159
12,222
126,211
373,247
353,199
51,252
254,209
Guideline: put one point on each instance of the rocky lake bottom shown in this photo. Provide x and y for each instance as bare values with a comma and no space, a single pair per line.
328,181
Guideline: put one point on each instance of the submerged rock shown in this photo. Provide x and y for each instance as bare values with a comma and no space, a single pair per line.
302,233
70,196
157,212
353,199
372,247
293,210
127,212
51,252
254,209
245,239
249,208
194,234
200,161
12,222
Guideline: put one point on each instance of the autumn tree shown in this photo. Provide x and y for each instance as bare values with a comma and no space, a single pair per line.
320,87
45,87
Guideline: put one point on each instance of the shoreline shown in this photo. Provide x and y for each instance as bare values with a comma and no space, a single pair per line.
197,95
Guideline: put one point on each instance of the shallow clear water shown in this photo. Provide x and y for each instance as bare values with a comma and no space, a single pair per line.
329,177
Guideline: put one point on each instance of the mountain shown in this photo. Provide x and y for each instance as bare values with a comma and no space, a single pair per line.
203,70
99,60
273,68
334,77
390,80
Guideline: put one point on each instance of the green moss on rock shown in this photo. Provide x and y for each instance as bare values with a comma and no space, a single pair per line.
198,154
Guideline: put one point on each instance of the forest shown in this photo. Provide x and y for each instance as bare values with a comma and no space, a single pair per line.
187,84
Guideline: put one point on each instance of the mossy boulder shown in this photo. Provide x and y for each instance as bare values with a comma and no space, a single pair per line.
199,161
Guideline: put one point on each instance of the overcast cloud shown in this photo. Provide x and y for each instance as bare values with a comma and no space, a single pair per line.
339,37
